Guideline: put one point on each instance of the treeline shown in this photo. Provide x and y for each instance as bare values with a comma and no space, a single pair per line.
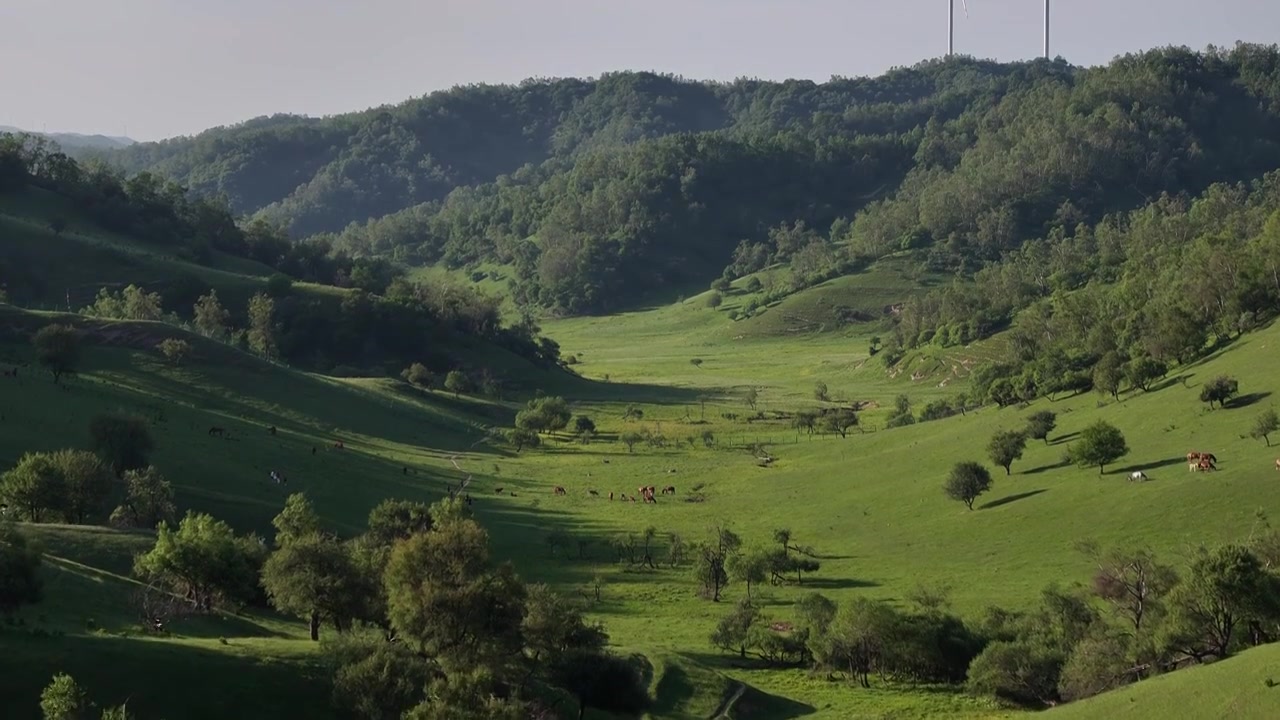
1136,618
1122,300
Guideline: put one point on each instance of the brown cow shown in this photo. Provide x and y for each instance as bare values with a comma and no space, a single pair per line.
559,490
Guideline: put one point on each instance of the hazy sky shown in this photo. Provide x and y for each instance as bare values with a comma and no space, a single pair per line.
157,68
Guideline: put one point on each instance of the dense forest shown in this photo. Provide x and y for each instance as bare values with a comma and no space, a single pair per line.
636,181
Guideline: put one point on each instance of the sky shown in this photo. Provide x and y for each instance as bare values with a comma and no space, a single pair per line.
151,69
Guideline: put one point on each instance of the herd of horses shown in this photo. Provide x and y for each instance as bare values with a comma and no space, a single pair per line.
1203,461
646,493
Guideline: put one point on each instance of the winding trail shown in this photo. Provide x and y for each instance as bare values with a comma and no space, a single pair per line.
722,710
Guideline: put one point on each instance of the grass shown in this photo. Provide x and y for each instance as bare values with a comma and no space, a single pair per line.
870,506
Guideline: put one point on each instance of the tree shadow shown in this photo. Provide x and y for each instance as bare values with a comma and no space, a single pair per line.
836,583
1045,468
1011,499
1247,400
1063,438
1180,379
1154,465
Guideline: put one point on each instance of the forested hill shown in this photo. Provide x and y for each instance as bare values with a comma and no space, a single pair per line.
597,192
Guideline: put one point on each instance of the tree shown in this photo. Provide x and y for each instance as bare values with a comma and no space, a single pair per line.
1265,424
64,699
820,392
583,424
712,561
418,375
377,680
752,397
696,362
715,300
202,561
1005,447
601,680
1132,582
523,438
751,567
20,582
148,500
1107,375
1019,671
298,520
840,420
1100,444
457,382
721,284
1144,370
314,578
553,625
392,520
1040,424
630,439
1224,590
753,285
857,638
1219,390
262,328
35,487
124,443
1096,664
174,350
211,319
85,482
57,349
138,304
445,600
733,632
966,482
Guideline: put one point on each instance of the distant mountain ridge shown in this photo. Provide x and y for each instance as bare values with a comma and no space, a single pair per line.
77,141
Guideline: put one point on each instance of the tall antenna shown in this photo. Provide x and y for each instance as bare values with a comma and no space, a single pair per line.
1046,29
951,24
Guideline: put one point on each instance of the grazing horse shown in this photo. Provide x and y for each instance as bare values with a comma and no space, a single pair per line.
611,492
272,430
1278,463
499,490
669,490
1137,475
559,490
217,432
593,493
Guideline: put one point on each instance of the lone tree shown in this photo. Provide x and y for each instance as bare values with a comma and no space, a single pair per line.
262,326
124,443
1266,423
1100,444
211,318
1219,390
1005,447
752,397
715,300
418,375
1143,371
696,362
58,349
1040,424
630,439
967,481
820,392
840,421
175,350
523,438
457,382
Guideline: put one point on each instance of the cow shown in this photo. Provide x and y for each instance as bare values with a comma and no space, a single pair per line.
216,431
1137,475
559,490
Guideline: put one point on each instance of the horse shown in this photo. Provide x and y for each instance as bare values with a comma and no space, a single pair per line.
499,490
593,493
272,430
1278,463
1137,475
611,492
216,431
669,490
559,490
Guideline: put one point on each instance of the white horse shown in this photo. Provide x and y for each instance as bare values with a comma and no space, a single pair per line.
1137,476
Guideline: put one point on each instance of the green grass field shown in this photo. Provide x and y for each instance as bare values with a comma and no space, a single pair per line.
870,506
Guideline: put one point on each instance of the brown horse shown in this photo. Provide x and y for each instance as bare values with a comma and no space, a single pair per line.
669,490
559,490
